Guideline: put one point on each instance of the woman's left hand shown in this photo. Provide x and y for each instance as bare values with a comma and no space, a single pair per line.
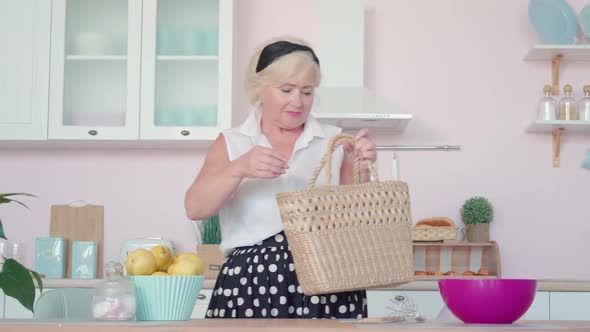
364,147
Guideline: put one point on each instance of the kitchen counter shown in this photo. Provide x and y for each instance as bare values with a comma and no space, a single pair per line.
547,285
280,325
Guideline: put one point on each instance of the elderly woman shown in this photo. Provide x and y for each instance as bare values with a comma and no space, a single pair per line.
276,149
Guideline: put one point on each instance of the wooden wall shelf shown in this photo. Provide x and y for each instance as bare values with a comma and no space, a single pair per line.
457,257
557,128
556,54
451,244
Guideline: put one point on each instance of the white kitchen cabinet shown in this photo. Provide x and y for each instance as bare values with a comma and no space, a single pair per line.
2,304
141,69
570,305
428,303
539,310
95,69
14,309
24,69
186,73
200,308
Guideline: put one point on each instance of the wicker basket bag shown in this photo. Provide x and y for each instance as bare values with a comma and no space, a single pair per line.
348,237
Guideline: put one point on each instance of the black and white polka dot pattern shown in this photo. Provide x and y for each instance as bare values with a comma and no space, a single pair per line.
260,282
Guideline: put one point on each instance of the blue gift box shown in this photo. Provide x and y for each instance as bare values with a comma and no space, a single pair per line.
51,256
84,259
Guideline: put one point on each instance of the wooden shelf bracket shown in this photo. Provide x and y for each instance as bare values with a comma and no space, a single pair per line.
555,74
556,145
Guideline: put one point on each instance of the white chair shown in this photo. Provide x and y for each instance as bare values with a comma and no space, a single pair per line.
65,303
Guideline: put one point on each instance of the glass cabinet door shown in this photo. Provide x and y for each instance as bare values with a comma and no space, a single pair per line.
186,68
95,52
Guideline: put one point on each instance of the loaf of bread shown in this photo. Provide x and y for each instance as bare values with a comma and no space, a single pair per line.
436,222
483,272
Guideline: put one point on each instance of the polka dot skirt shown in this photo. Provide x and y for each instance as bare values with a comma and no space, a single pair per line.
260,282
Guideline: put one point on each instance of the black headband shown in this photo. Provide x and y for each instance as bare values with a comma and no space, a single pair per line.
273,51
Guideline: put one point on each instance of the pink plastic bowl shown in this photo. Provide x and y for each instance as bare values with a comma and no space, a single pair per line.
488,301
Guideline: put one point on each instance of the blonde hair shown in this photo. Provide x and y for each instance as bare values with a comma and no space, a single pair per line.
290,66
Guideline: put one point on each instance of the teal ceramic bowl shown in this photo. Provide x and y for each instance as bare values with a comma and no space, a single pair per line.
166,297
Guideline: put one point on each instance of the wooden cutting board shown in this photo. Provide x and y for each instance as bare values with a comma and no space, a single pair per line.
78,223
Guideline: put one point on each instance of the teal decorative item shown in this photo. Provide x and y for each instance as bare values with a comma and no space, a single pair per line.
166,40
586,162
51,257
554,21
211,231
210,41
585,20
84,259
193,40
166,297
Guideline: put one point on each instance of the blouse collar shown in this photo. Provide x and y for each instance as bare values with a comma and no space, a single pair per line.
252,128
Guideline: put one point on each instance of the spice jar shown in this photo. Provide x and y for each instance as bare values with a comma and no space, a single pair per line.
567,105
114,298
584,105
547,105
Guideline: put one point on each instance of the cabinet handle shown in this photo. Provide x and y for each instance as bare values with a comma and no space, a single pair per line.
400,298
202,296
185,133
93,132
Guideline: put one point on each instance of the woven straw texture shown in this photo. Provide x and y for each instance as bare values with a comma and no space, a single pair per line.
349,237
430,233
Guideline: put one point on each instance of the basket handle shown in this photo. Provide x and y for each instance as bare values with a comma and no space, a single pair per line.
327,161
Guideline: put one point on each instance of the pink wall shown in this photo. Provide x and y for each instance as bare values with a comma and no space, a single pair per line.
455,64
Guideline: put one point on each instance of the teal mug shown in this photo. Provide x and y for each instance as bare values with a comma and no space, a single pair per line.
166,40
193,40
586,162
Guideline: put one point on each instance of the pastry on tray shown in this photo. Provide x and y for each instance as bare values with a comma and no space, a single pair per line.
436,222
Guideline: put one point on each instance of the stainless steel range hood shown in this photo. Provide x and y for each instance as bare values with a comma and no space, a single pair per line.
342,98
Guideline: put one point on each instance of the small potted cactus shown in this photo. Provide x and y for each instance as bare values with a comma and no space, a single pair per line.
477,213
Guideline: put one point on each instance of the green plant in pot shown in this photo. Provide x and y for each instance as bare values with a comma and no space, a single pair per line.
477,213
211,231
16,280
209,249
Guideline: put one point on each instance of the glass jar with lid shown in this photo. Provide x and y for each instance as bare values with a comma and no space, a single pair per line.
584,106
114,298
567,105
547,105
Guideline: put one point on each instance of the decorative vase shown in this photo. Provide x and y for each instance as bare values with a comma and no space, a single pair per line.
478,232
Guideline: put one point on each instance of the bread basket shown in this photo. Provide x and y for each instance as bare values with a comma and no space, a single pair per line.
434,233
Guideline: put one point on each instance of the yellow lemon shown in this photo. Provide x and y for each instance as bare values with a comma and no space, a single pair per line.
183,268
163,257
140,262
160,273
191,257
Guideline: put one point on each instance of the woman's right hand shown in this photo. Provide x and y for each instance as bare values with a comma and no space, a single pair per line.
262,162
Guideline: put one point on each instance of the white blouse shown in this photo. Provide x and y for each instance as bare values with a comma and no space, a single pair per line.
251,214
